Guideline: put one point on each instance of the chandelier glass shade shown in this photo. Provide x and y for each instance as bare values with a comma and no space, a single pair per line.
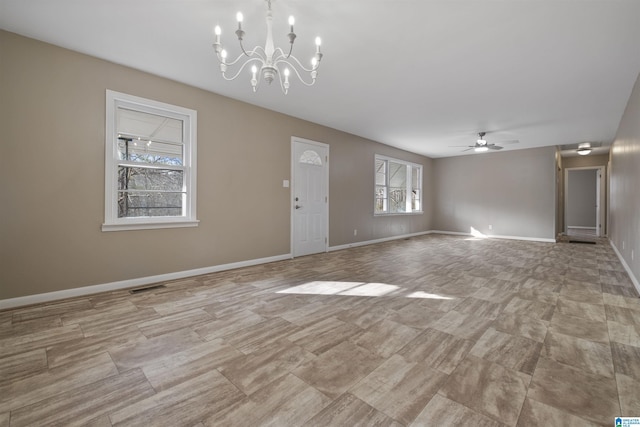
268,62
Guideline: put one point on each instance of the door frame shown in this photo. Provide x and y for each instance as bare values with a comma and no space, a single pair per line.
601,217
294,140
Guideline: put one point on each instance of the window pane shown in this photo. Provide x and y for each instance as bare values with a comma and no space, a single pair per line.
130,178
149,126
133,150
397,199
397,175
381,199
381,172
415,188
141,204
415,177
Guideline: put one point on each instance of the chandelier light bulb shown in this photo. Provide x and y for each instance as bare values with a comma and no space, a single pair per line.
223,55
217,30
254,69
292,20
239,17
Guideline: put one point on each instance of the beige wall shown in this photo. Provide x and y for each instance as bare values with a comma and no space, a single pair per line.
514,191
52,113
625,184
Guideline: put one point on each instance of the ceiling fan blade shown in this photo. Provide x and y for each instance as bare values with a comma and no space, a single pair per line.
509,141
494,147
461,146
470,148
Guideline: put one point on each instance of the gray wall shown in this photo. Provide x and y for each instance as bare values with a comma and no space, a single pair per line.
514,191
624,205
581,198
52,117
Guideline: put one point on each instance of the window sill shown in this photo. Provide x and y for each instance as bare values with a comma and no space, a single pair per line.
149,225
399,213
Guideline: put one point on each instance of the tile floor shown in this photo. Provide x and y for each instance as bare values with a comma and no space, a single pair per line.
434,330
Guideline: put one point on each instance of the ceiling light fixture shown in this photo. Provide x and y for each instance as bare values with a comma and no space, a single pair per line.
481,144
270,61
584,149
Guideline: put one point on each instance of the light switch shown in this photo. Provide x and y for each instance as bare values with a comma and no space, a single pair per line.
285,183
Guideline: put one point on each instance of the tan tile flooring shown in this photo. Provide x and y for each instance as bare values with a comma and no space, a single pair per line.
436,330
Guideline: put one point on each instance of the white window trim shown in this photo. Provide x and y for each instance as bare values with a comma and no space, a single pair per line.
409,186
111,220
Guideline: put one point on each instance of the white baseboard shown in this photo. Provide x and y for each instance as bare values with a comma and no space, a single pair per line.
374,241
140,281
131,283
626,267
453,233
528,239
496,236
581,227
422,233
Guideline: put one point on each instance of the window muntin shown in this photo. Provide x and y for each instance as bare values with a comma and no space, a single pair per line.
398,186
149,163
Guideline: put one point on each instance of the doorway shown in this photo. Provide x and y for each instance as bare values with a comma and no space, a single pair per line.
309,197
584,202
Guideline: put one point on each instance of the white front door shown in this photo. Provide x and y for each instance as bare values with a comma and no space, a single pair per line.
310,197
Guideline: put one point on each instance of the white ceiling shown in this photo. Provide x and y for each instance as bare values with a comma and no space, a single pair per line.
421,75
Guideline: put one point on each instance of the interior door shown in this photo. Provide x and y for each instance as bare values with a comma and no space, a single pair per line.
310,198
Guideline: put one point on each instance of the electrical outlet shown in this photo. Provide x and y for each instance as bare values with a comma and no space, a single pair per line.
355,232
490,227
623,245
631,254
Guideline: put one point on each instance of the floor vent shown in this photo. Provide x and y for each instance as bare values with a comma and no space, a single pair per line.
146,289
587,242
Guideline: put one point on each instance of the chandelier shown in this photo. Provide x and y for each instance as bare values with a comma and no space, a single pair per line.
271,62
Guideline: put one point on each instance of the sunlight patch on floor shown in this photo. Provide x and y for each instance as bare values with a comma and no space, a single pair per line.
476,235
356,289
421,294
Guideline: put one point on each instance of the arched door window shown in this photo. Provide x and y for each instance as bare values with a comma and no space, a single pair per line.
310,157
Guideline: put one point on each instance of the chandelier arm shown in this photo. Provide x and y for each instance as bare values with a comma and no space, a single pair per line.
299,64
253,54
242,67
295,70
284,90
288,55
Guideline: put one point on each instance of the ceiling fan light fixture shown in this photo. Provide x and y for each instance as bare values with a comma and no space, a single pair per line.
481,148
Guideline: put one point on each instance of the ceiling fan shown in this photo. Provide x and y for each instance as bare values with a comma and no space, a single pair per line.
482,144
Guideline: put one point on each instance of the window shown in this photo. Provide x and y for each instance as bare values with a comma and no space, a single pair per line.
150,168
398,187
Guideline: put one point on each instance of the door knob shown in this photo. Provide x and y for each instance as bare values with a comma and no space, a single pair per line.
298,206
